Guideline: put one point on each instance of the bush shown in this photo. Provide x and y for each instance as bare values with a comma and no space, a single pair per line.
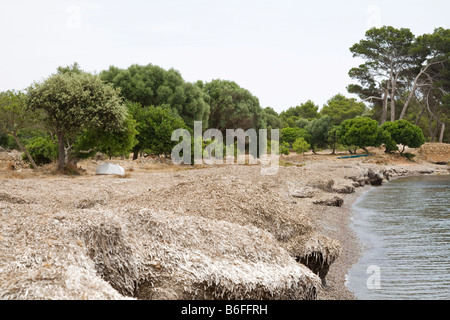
362,132
289,135
155,126
7,142
284,148
405,133
409,156
43,150
301,146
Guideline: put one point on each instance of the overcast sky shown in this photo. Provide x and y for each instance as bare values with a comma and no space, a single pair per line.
283,51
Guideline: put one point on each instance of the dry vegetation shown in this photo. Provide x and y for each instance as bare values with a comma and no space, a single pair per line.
177,232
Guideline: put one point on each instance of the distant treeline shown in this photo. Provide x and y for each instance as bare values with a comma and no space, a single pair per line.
403,85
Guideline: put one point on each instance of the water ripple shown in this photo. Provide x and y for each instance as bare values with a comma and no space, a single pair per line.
405,226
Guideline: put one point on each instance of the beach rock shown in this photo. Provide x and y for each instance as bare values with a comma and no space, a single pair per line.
362,182
323,184
331,202
304,192
345,189
429,171
375,178
353,178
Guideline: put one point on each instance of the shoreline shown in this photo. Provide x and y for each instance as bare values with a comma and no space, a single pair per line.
228,218
336,223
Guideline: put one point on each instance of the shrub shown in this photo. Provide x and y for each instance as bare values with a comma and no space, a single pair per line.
409,156
301,146
362,132
43,150
7,142
289,135
405,133
284,148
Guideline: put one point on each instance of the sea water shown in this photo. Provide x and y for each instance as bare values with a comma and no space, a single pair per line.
404,226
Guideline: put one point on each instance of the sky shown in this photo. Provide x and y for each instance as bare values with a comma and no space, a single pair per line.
285,52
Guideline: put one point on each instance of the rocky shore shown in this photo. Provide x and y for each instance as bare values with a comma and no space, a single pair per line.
222,232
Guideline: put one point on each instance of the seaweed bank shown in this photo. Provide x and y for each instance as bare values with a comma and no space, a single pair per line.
175,233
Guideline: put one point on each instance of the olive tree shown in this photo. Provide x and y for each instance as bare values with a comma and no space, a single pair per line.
74,102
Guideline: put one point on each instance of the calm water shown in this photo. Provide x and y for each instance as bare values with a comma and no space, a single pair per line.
405,227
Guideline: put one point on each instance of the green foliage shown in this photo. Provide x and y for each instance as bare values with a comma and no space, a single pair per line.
155,126
112,143
301,123
16,117
340,108
382,45
389,57
301,146
318,130
308,110
333,138
74,102
233,107
7,141
153,86
271,118
72,69
362,132
43,150
289,135
409,156
284,148
405,133
289,122
14,114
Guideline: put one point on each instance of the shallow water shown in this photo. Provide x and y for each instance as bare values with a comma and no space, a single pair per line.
405,228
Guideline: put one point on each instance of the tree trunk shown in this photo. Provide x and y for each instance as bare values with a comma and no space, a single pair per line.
24,150
365,149
420,116
61,151
393,84
408,100
135,154
430,129
415,85
385,104
393,104
441,137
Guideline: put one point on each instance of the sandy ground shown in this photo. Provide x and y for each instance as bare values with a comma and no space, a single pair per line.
239,195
